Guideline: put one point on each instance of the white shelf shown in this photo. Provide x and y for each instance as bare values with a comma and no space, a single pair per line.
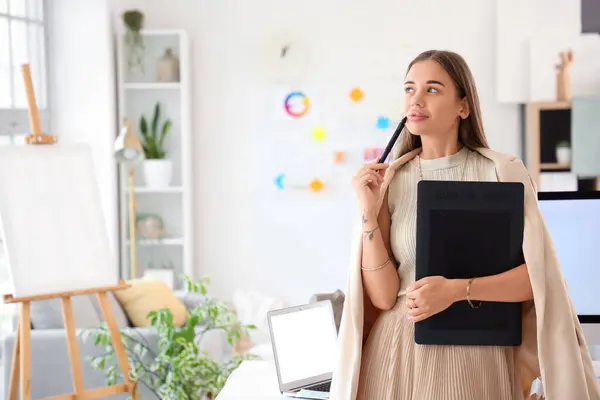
172,189
139,92
159,242
152,85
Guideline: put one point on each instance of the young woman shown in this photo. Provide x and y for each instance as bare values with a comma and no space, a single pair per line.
444,119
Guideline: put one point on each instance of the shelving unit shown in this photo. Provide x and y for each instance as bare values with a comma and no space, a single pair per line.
548,123
138,92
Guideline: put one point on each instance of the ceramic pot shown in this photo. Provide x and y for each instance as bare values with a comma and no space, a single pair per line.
158,173
563,155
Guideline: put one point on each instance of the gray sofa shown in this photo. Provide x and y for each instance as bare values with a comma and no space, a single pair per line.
50,368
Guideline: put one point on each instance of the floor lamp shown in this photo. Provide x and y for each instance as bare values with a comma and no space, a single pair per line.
128,152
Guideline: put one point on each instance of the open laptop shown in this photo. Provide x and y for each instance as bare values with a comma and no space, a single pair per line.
304,345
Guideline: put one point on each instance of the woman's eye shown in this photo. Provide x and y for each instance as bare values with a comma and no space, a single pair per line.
408,90
432,90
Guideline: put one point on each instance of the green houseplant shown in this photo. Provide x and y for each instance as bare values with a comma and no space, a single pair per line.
178,369
153,138
158,171
134,22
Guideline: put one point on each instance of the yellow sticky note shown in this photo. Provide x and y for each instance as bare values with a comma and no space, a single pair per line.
316,185
319,133
357,94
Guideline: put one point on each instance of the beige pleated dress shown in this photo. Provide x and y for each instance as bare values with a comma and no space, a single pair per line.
393,367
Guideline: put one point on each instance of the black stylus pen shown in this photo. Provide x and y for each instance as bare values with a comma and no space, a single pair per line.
392,141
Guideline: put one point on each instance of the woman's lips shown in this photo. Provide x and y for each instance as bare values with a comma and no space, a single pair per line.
417,117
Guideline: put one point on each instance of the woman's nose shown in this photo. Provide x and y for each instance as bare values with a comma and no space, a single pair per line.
417,100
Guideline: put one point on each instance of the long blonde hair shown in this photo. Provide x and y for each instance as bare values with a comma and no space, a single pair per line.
470,130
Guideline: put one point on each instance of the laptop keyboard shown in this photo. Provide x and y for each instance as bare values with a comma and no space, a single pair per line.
321,387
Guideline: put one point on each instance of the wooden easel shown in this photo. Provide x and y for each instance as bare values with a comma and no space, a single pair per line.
21,362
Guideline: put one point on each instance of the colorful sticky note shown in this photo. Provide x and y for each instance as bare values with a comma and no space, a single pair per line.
316,185
338,157
319,133
383,122
371,153
357,94
279,181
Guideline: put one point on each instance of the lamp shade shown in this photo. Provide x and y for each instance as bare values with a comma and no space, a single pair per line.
128,149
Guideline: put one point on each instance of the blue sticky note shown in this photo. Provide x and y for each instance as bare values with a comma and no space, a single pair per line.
383,122
279,181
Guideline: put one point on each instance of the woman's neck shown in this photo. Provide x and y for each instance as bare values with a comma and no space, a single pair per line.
436,148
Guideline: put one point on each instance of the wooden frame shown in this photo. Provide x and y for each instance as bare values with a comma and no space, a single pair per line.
532,136
532,139
20,372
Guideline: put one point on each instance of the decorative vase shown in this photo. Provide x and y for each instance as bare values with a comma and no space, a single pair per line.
167,67
158,173
150,226
563,76
563,155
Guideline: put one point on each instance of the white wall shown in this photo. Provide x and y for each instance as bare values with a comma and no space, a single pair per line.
82,89
289,245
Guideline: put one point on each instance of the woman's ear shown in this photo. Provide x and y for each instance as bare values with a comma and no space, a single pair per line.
464,108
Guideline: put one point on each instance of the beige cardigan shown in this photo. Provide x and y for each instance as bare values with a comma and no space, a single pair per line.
553,345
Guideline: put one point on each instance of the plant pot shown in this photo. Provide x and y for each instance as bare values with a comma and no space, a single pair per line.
563,155
158,173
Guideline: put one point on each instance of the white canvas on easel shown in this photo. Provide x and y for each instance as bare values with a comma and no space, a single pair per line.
57,247
54,232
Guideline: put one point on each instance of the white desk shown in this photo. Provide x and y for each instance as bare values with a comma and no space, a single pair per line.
258,380
253,379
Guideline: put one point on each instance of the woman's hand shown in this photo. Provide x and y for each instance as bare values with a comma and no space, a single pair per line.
429,296
367,182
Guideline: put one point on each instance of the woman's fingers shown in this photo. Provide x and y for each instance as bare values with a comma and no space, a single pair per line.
370,167
377,166
419,317
374,167
370,176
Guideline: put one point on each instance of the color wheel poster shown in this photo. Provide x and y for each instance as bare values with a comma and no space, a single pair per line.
297,104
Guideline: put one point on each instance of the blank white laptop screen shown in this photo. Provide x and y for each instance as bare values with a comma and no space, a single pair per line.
305,342
574,225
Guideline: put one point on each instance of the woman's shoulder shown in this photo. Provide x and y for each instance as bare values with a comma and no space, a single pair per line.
499,158
508,165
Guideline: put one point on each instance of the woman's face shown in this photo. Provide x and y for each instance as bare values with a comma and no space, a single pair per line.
431,102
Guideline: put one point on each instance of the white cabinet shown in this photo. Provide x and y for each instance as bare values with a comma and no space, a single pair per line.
140,89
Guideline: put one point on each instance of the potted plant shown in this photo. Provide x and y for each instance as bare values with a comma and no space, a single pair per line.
134,22
563,152
176,368
158,171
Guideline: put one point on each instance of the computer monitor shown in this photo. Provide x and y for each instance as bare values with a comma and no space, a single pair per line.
573,220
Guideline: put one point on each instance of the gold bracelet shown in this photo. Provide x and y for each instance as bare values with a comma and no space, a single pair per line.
469,295
376,268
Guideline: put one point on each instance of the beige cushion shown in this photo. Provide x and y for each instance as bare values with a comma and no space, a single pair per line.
146,295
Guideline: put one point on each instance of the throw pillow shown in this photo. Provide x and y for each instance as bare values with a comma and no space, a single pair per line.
146,295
